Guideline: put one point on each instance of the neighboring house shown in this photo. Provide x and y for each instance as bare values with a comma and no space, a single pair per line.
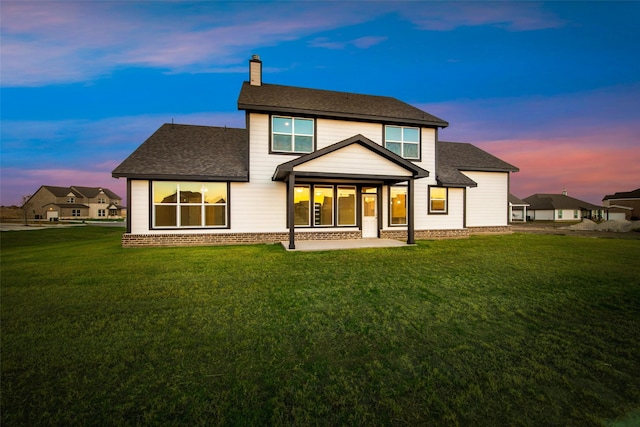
624,203
517,209
561,207
56,203
311,164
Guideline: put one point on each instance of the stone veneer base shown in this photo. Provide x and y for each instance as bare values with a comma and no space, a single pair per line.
210,239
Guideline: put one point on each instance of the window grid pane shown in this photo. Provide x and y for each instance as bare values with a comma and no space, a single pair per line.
301,202
292,134
199,204
322,205
438,199
346,206
404,141
398,203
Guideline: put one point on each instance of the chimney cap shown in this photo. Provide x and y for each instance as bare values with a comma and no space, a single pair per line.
255,57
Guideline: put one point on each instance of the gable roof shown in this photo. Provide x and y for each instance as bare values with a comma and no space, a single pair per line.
92,192
635,194
454,157
558,201
61,191
190,152
272,98
284,169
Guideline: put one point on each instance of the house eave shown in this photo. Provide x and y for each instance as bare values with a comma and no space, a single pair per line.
174,177
345,116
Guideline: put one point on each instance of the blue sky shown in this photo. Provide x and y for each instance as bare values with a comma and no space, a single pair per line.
551,87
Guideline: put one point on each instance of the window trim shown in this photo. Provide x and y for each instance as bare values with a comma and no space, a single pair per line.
446,201
293,152
401,142
406,206
178,205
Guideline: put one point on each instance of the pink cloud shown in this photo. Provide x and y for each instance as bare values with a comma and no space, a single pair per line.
588,172
76,41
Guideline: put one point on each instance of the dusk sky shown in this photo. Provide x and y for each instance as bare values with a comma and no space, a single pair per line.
550,87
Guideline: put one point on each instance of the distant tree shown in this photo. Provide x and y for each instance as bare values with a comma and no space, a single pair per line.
26,207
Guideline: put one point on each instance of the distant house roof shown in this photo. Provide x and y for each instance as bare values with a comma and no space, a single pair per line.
635,194
280,99
92,192
190,152
516,201
61,191
454,157
558,201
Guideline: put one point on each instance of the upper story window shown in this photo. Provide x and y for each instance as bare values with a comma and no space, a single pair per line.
71,199
404,141
291,135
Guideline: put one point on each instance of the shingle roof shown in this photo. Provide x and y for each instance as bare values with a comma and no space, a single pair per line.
325,103
453,157
191,153
558,201
635,194
92,192
61,191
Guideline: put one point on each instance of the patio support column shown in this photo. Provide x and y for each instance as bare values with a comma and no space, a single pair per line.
291,209
410,219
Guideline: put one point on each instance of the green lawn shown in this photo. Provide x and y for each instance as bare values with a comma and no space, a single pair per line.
492,330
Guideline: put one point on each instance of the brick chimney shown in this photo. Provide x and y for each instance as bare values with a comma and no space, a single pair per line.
255,71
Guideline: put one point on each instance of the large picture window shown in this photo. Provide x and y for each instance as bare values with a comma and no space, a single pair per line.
189,204
398,205
404,141
291,135
438,200
324,205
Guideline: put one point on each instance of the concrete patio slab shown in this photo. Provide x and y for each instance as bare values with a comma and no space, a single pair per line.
331,245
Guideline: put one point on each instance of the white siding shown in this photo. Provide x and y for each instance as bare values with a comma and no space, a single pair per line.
487,204
354,159
139,209
453,219
428,152
260,204
331,131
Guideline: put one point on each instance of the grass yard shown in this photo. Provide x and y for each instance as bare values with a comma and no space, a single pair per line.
517,329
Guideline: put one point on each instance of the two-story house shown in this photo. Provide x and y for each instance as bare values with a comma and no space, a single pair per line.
311,164
56,203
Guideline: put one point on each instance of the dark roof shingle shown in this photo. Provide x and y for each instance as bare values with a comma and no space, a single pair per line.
326,103
189,152
558,201
635,194
453,157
